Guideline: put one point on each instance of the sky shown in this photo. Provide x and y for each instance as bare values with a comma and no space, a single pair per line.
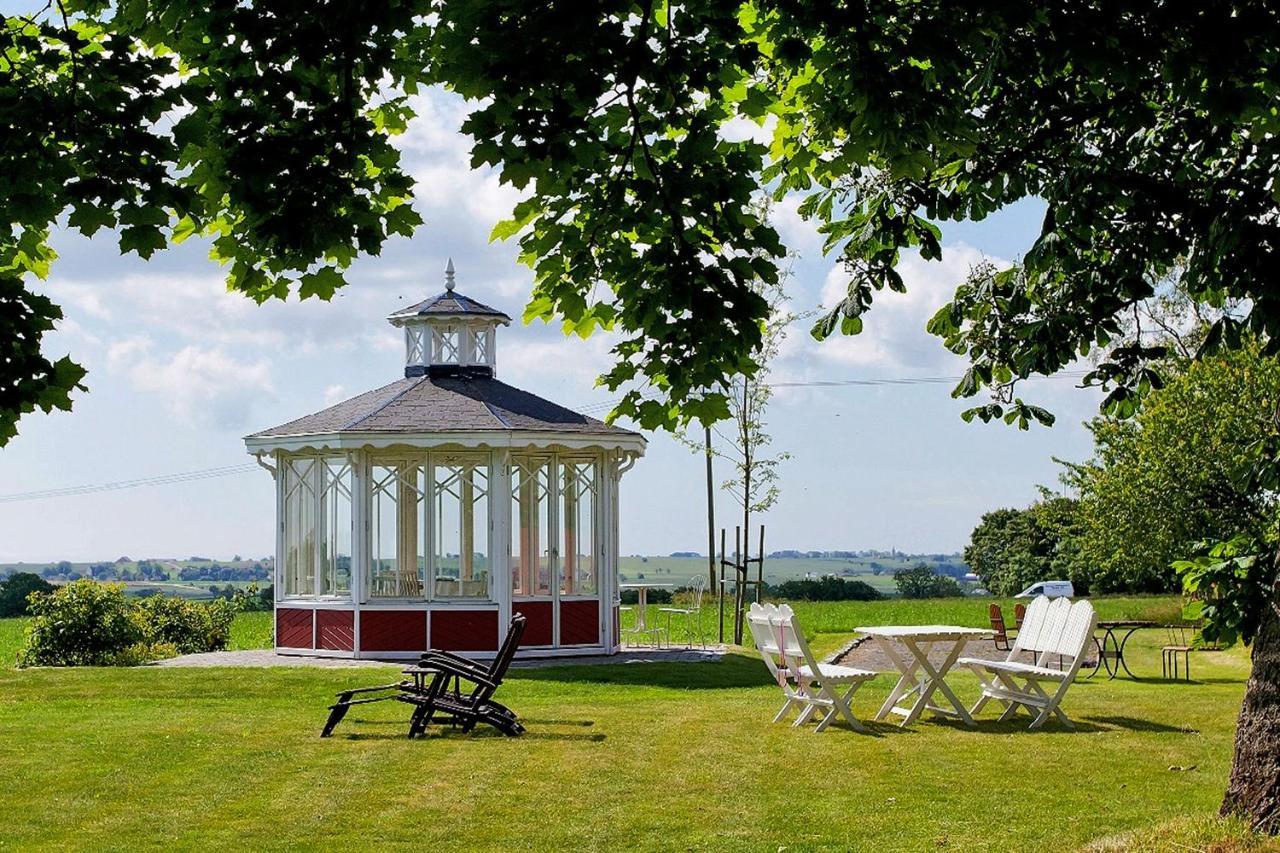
180,371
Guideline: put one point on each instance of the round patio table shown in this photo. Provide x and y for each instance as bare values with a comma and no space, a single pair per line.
1111,646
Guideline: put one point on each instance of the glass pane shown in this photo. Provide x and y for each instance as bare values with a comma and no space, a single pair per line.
530,534
461,553
448,342
335,556
578,499
299,528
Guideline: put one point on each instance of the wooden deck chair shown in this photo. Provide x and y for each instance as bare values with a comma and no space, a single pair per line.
806,684
1055,627
1001,637
457,689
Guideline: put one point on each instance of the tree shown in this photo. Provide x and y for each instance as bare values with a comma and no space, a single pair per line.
1011,549
15,589
1176,474
919,581
262,126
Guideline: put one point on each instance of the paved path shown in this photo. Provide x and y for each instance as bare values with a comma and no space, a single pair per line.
267,657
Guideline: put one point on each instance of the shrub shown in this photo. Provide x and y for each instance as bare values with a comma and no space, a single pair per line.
83,623
87,623
826,589
187,626
14,592
652,596
920,582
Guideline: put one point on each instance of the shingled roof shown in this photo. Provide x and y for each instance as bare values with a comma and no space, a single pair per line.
444,404
450,304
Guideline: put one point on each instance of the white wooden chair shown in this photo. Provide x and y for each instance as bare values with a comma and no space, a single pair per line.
1055,627
807,684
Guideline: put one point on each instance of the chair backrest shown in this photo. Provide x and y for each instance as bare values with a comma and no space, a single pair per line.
997,623
1028,638
1019,614
778,636
697,586
498,669
1077,630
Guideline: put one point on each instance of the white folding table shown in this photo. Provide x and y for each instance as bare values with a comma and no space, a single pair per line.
908,646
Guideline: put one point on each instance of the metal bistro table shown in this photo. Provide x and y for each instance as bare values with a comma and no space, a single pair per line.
1111,648
908,646
642,589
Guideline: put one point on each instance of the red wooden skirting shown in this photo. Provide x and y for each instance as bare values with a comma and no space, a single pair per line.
537,628
579,623
293,628
393,631
335,629
464,630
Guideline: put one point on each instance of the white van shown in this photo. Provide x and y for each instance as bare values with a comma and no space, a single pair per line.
1053,589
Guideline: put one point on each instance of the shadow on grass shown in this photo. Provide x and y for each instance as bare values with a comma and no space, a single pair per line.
1083,725
733,670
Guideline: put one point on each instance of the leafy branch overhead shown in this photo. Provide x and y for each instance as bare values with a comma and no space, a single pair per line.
266,128
262,127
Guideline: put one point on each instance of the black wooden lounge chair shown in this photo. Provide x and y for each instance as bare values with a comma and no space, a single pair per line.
445,687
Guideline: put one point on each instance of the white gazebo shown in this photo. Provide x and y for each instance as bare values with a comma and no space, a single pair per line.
424,513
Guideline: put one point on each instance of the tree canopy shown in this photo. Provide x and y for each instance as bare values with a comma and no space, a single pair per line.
1011,549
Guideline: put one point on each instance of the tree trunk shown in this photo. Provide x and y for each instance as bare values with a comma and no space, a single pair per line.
1254,790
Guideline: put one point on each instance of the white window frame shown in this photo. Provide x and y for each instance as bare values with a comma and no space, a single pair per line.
314,480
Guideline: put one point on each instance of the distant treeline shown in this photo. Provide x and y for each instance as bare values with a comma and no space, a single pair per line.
149,570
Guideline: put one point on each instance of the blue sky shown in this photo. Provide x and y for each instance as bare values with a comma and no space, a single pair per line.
180,371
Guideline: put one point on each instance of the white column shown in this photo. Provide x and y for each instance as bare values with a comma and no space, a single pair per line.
500,532
360,502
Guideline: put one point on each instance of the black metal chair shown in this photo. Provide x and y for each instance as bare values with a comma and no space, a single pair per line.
446,687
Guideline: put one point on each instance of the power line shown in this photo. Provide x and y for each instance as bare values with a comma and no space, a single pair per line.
159,480
592,408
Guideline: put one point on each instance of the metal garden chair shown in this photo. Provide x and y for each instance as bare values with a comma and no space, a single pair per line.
692,614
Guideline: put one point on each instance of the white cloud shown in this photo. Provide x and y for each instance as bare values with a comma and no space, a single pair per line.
334,394
894,336
196,383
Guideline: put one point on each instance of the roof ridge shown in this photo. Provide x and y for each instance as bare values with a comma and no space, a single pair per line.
387,402
494,411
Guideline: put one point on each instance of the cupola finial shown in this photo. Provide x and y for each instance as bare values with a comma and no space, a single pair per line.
448,276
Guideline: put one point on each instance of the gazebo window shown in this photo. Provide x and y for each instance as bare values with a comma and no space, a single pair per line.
415,341
461,542
447,345
484,346
393,573
335,556
578,496
530,526
299,526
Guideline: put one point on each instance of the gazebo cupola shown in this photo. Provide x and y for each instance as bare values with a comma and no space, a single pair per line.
426,512
450,334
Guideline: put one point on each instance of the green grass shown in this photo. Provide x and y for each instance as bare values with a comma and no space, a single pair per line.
652,756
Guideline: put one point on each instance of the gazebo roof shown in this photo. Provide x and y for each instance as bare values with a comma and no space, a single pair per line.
426,404
449,304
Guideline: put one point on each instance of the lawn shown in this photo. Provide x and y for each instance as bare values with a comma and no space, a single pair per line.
644,755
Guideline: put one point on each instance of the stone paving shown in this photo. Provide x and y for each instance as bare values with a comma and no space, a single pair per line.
268,657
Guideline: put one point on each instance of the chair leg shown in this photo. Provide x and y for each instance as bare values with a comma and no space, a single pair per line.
336,713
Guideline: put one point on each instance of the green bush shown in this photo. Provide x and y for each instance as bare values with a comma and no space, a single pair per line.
920,582
826,589
15,590
82,623
187,626
87,623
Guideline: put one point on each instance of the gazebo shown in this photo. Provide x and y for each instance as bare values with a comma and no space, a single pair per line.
424,513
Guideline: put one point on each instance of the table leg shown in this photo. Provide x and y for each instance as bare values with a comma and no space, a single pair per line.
1120,661
934,680
908,677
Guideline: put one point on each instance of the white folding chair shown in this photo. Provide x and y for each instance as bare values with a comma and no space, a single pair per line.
1050,628
806,684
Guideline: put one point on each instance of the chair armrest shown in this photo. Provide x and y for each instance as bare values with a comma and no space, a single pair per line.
456,660
445,666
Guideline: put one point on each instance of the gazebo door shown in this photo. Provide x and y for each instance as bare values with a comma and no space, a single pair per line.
554,541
